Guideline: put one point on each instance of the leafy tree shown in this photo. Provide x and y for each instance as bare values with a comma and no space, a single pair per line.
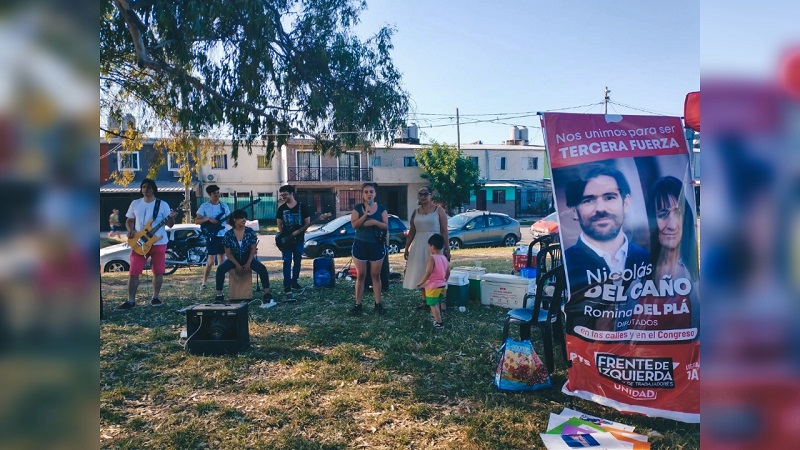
452,175
252,69
189,151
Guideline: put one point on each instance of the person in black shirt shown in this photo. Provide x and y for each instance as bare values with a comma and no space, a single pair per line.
292,217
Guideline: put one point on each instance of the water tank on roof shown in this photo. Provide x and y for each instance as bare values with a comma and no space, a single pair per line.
127,121
413,131
513,133
523,134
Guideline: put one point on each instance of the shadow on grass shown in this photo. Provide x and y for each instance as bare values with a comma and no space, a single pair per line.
315,377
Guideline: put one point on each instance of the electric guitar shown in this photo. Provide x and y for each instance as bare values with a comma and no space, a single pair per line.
142,241
211,229
284,240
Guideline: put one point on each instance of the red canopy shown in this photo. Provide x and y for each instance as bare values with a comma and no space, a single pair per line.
691,111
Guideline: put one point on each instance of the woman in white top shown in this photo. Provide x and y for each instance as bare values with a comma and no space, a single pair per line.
427,219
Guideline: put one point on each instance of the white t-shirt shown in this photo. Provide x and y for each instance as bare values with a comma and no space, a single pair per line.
143,213
212,211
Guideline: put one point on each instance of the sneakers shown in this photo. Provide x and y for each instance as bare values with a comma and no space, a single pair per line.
267,301
297,287
438,325
356,310
379,308
125,306
219,299
287,290
155,302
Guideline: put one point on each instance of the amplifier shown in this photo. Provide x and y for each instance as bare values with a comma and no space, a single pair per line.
215,329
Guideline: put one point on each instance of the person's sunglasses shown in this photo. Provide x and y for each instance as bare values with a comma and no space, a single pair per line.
423,194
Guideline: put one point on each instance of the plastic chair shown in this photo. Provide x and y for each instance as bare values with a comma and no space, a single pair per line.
540,242
546,311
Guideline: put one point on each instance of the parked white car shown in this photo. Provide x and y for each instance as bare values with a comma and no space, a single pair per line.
117,258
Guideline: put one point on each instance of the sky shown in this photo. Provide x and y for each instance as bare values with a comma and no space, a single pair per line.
506,60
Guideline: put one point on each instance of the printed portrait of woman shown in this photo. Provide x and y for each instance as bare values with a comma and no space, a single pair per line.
674,255
673,249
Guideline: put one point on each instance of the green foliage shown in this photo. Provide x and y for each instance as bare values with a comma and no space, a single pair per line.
452,175
256,69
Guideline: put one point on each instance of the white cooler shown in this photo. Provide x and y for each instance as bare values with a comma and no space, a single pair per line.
503,290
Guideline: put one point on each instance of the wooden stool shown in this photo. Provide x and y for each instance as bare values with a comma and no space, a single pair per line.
240,287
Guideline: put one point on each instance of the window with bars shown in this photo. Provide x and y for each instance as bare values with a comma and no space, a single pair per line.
219,161
128,161
498,196
264,163
348,200
410,161
530,163
375,161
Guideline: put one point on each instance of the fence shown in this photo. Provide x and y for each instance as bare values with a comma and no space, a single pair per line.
263,210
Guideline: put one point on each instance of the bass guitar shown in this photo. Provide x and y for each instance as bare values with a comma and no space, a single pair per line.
142,241
285,241
211,229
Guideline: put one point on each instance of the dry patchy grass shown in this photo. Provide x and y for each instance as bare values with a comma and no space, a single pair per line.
317,378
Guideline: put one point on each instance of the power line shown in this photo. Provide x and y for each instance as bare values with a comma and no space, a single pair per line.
496,118
640,109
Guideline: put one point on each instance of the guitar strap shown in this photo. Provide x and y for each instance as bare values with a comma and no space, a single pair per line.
156,208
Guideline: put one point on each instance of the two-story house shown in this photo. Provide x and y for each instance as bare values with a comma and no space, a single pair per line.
112,195
515,174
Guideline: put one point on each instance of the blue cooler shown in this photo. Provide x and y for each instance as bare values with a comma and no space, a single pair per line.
458,288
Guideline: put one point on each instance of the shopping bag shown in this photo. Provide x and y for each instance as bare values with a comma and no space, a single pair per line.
519,368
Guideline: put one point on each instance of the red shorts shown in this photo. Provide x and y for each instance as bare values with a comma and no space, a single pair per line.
157,258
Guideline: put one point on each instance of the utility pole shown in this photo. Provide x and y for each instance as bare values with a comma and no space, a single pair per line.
606,99
458,132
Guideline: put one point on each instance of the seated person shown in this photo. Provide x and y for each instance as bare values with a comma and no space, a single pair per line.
240,243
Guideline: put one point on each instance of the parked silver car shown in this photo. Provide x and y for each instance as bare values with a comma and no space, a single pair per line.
474,228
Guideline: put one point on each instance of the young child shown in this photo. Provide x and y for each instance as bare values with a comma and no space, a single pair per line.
435,279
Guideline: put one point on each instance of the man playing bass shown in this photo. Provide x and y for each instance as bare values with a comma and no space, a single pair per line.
142,210
293,218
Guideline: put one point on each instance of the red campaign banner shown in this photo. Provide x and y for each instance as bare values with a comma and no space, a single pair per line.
582,138
626,211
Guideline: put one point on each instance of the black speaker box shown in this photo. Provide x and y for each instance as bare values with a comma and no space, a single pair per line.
215,329
384,275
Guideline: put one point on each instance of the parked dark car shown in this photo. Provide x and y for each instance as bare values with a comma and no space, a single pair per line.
335,238
474,228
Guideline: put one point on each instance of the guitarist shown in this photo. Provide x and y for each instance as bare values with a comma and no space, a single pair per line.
293,218
212,213
140,212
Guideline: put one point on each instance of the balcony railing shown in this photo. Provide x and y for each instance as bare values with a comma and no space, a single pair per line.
326,174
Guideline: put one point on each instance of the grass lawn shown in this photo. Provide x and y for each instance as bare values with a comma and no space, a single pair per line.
316,378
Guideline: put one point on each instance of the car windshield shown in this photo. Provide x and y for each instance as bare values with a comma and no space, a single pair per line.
553,217
335,223
458,221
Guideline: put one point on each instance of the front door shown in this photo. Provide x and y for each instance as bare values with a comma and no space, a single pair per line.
350,167
480,200
307,166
